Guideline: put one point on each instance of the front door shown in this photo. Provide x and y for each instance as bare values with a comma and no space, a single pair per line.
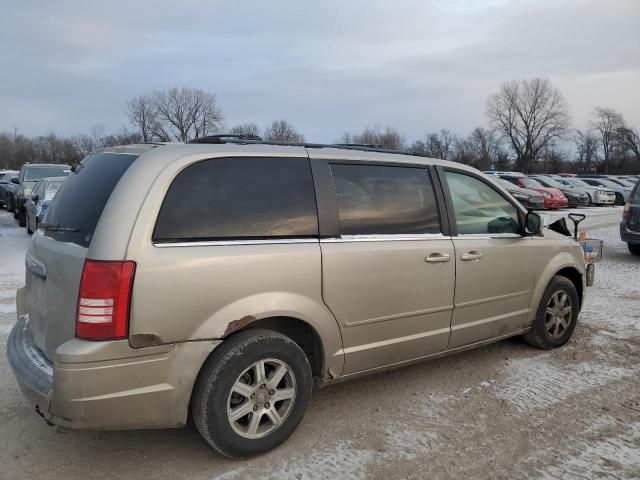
389,276
494,274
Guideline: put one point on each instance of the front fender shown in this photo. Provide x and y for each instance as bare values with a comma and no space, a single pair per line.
558,262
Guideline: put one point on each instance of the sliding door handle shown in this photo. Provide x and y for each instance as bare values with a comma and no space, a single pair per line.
438,258
472,255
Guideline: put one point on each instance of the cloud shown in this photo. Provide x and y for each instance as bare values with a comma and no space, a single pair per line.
328,67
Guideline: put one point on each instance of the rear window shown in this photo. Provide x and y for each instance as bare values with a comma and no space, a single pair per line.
36,173
382,200
77,207
239,198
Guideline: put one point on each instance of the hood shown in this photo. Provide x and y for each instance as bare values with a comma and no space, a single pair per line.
525,191
554,192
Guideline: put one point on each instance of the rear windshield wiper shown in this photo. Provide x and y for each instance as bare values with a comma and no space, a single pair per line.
58,228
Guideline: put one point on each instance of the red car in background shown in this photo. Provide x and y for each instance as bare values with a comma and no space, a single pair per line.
553,198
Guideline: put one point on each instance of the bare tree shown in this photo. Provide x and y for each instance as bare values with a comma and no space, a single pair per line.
388,137
248,128
607,122
142,113
97,136
586,149
530,114
185,113
175,114
282,131
630,140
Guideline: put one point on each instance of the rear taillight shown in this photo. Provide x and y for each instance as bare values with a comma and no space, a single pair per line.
103,300
625,212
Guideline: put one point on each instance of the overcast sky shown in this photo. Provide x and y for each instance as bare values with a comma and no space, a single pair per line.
326,66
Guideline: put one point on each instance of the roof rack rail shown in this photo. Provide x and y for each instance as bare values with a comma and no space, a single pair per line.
363,145
226,138
254,139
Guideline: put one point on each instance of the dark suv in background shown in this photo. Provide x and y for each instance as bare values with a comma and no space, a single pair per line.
29,174
630,225
6,187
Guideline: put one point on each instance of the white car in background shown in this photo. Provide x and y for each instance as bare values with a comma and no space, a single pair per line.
597,195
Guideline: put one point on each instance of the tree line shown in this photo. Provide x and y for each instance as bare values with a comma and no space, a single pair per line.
528,130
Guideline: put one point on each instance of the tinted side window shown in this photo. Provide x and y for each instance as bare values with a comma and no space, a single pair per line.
239,198
375,199
479,208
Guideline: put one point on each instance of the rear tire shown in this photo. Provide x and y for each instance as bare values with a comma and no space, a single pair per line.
557,315
634,248
619,199
22,217
230,381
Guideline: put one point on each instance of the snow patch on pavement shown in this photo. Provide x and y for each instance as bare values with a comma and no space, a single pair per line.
536,383
337,462
611,457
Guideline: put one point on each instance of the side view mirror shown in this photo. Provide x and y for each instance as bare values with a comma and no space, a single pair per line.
34,198
532,224
15,180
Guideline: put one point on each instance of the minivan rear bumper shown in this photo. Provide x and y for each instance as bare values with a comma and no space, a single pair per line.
628,235
107,385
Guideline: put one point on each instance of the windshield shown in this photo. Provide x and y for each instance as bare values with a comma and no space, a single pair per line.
622,181
506,184
35,173
606,183
76,209
550,182
577,182
530,183
52,188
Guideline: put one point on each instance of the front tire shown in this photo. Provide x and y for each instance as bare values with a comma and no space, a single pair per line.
557,315
251,393
22,217
634,248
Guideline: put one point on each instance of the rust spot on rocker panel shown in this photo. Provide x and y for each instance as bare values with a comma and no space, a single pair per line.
145,340
239,324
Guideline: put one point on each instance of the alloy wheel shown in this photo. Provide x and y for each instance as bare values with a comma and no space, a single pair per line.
261,398
558,314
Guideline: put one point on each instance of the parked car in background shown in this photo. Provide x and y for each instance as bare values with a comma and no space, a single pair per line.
567,174
575,196
219,280
553,198
625,182
29,174
597,195
621,193
530,199
38,202
630,225
6,187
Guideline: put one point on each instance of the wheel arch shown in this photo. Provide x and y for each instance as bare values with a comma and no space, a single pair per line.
301,332
563,264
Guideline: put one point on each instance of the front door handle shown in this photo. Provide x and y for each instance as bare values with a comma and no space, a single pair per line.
438,258
472,255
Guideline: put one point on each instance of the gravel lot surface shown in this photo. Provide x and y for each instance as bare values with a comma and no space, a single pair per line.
503,411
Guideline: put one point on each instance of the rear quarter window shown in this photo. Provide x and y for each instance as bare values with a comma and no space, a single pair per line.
76,209
239,198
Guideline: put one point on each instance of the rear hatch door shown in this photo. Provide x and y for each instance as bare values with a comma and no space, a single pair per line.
56,257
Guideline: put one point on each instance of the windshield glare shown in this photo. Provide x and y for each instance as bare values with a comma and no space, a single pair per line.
33,174
530,183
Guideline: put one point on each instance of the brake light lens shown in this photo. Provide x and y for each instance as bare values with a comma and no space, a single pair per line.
103,300
625,212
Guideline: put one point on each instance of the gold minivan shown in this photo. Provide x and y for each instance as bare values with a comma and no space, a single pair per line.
224,276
